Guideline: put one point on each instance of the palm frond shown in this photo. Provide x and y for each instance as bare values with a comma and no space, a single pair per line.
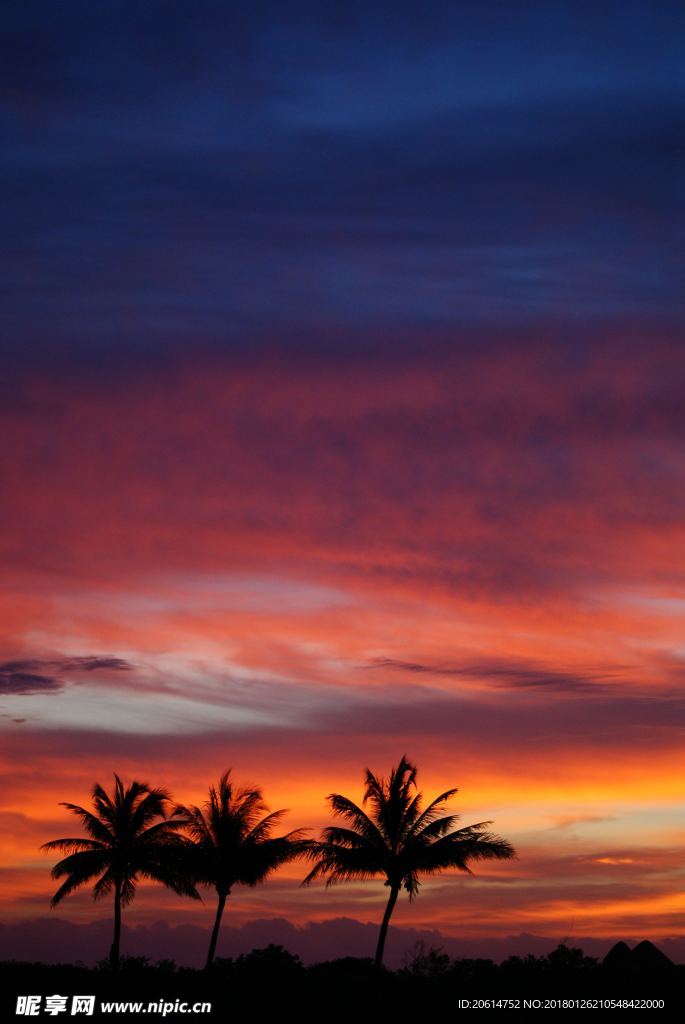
73,845
358,818
145,807
338,836
81,862
411,813
263,828
256,861
433,810
433,830
104,805
104,885
392,800
93,825
128,890
72,883
457,849
340,864
80,868
197,826
162,831
169,867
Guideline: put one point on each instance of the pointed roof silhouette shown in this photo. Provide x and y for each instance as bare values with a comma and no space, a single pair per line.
647,957
619,956
644,958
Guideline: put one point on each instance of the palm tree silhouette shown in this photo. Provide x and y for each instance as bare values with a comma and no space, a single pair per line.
232,843
398,840
130,837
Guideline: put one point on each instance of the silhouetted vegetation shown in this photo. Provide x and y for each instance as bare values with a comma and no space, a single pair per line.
273,984
231,843
228,842
130,837
135,832
398,840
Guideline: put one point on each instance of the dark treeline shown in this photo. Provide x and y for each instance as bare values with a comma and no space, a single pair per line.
273,984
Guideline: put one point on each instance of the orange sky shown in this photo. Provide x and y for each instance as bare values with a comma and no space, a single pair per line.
297,573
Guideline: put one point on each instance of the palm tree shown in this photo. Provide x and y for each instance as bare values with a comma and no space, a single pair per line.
130,837
398,840
232,843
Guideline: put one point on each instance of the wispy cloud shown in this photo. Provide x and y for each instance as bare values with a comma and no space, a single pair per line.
14,679
567,821
47,675
514,674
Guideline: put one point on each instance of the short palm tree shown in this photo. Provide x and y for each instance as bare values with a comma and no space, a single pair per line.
232,843
398,839
130,837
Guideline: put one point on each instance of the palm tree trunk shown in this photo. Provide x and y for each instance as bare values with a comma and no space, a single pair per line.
116,941
215,930
392,900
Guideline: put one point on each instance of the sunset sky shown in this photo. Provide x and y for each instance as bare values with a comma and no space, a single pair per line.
343,417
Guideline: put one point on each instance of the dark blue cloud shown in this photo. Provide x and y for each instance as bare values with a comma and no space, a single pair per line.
206,175
29,675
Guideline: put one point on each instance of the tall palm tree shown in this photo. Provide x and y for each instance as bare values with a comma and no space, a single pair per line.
398,839
130,837
232,843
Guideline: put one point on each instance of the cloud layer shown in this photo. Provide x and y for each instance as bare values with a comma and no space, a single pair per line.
341,380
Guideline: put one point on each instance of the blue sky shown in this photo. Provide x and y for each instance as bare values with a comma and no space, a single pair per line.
213,175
